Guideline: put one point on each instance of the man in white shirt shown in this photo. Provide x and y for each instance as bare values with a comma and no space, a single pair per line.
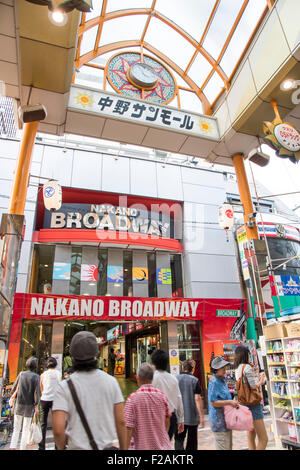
100,398
49,381
168,384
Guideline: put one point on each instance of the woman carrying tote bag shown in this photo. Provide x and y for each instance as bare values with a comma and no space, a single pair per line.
249,394
25,401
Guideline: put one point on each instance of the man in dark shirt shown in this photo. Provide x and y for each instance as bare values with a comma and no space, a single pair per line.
192,405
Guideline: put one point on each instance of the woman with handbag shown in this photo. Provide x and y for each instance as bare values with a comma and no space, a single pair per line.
249,394
24,400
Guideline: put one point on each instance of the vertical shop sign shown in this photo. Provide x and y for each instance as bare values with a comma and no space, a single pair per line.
174,361
243,242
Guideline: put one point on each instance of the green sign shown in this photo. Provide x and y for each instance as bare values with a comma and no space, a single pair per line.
228,313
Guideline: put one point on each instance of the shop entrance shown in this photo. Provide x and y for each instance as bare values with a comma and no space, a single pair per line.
130,343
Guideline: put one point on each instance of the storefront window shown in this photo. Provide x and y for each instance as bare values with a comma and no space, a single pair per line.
76,259
281,250
102,272
152,274
36,341
127,270
42,269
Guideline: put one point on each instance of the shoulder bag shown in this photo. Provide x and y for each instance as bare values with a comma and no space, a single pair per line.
246,395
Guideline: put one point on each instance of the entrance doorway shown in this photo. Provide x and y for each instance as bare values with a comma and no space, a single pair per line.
132,343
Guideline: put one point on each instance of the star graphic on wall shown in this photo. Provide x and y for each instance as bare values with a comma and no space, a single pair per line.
121,72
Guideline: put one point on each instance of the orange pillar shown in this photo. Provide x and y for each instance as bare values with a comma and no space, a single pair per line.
246,200
19,190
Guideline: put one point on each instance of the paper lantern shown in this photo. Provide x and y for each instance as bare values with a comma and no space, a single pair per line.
226,216
52,195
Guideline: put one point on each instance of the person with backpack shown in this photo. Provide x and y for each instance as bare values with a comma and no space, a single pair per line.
246,378
24,400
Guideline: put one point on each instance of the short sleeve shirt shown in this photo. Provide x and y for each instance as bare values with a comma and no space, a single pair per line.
146,411
217,390
98,392
189,387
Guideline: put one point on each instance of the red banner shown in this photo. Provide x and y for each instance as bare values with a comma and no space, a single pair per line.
57,307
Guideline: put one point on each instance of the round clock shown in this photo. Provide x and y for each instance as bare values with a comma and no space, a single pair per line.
143,75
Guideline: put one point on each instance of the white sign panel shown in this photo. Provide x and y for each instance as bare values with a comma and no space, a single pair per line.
124,108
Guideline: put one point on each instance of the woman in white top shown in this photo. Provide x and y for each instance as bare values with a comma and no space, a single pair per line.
49,381
242,359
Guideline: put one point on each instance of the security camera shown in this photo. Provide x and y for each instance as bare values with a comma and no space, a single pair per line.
258,157
32,113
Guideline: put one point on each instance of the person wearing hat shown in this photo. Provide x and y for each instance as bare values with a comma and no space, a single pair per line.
100,398
48,382
218,397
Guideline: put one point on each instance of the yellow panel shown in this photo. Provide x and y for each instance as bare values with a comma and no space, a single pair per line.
289,14
269,52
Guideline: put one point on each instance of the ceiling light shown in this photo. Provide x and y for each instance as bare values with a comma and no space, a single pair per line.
287,84
58,17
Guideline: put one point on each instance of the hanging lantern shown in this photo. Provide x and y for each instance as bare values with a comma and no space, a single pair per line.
52,195
226,218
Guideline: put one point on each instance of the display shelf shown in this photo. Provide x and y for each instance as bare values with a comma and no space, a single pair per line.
276,364
285,380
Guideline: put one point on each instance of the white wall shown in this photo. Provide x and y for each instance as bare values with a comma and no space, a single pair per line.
210,266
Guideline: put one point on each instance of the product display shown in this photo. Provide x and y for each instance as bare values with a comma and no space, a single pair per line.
283,357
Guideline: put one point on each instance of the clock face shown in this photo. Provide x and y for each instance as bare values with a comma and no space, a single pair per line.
143,75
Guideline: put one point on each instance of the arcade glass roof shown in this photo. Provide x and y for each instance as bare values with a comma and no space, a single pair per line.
201,42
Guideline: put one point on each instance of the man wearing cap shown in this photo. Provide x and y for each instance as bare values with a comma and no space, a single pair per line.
100,398
219,396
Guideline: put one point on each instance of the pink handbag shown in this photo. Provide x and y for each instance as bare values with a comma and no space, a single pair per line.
238,419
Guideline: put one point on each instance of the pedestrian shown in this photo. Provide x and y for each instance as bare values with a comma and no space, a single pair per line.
167,383
100,398
25,399
147,414
48,383
67,359
111,361
218,397
242,362
100,361
192,407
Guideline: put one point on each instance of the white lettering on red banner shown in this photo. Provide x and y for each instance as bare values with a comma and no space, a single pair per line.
111,308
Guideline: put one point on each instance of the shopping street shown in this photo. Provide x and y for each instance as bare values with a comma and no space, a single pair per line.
149,202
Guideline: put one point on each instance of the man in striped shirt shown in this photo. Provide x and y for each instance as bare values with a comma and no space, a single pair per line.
147,414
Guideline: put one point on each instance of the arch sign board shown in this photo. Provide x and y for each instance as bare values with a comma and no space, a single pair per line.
114,109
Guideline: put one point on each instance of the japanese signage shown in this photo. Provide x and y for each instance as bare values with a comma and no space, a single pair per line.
282,137
142,112
108,217
288,285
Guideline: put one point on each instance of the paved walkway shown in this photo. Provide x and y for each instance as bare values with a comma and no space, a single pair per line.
205,438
